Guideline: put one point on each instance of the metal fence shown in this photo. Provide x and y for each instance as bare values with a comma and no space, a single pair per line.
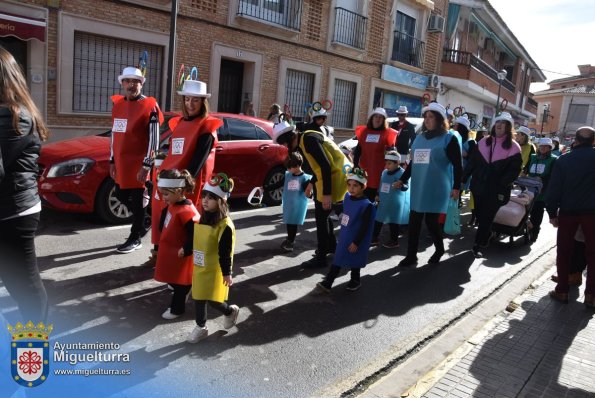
407,49
286,13
350,28
299,89
342,113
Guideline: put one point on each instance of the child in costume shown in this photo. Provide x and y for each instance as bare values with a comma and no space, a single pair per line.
176,225
295,202
356,232
214,240
393,203
156,209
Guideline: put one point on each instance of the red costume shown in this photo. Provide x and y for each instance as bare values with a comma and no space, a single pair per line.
373,144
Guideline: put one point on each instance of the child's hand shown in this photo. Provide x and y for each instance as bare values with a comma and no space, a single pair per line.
352,248
308,190
181,252
396,185
377,199
227,281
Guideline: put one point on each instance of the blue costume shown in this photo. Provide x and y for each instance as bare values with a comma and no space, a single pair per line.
295,202
431,174
394,203
351,224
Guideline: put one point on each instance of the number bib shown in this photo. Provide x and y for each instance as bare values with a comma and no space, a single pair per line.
344,220
385,187
422,156
373,138
119,125
177,146
198,258
293,185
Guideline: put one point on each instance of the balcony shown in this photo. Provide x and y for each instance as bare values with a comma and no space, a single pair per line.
465,58
286,13
407,49
350,28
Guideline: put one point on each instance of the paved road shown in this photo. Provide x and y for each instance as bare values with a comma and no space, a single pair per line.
288,342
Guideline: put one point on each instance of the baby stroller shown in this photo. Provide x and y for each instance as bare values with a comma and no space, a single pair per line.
512,219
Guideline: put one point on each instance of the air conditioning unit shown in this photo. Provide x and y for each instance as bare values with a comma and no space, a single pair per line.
433,81
436,24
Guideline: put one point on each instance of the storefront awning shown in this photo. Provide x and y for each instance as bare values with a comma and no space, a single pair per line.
22,27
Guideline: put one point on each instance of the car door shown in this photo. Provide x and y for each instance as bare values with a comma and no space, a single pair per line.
244,153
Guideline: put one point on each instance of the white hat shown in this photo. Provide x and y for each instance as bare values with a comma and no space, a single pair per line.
281,128
378,111
395,157
357,177
557,139
463,120
450,112
505,116
171,182
524,130
131,72
319,113
194,88
216,189
436,107
546,141
402,109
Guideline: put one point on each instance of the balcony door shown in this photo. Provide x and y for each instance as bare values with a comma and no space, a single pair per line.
404,45
348,27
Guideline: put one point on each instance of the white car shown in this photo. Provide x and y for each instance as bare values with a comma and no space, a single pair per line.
348,145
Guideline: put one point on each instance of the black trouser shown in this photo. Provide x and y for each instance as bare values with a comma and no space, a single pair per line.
201,310
578,262
394,230
18,267
371,193
486,208
537,216
291,232
133,199
326,241
178,299
334,271
434,228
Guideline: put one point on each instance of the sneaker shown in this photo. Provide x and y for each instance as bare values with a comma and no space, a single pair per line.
198,334
352,286
287,245
391,244
477,251
168,315
314,262
129,246
323,287
229,321
408,261
374,242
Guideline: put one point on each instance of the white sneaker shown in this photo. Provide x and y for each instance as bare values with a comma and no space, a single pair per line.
168,315
197,334
230,320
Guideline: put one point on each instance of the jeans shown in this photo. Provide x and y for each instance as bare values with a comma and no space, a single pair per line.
18,267
133,199
201,310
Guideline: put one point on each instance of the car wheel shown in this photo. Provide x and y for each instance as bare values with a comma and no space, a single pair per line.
108,207
273,198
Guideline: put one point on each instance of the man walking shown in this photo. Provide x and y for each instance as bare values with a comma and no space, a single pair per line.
570,203
135,140
406,133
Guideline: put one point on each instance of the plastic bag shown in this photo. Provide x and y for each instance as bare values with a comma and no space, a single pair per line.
452,225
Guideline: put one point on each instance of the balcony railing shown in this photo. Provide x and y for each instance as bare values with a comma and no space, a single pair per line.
465,58
350,28
286,13
531,101
407,49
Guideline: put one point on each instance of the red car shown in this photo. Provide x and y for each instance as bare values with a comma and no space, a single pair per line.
74,174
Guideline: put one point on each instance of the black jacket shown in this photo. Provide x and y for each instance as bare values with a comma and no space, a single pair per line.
571,188
18,164
405,138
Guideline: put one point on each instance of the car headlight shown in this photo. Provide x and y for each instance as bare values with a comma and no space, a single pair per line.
71,167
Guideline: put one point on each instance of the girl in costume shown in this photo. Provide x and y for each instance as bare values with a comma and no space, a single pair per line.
156,209
356,232
295,201
523,137
393,203
176,225
541,165
214,240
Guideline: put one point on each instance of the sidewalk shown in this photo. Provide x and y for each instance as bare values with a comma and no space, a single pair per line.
541,349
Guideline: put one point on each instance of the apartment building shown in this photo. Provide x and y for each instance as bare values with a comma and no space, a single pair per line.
356,53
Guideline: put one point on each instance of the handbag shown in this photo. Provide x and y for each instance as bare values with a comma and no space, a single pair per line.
452,224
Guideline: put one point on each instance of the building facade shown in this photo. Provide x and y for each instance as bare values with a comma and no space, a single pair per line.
358,54
483,64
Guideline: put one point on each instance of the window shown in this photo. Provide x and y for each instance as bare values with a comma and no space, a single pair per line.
577,113
286,13
342,113
240,130
350,26
299,88
99,60
406,48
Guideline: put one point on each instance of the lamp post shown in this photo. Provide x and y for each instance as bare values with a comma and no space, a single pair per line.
501,76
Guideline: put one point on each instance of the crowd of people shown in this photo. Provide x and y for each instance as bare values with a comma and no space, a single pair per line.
393,176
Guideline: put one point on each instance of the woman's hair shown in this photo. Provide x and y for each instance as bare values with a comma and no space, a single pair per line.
14,94
174,173
440,121
509,133
294,159
223,207
463,131
204,108
370,126
524,138
273,110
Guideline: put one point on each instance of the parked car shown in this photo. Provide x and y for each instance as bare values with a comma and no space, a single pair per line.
352,142
74,174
